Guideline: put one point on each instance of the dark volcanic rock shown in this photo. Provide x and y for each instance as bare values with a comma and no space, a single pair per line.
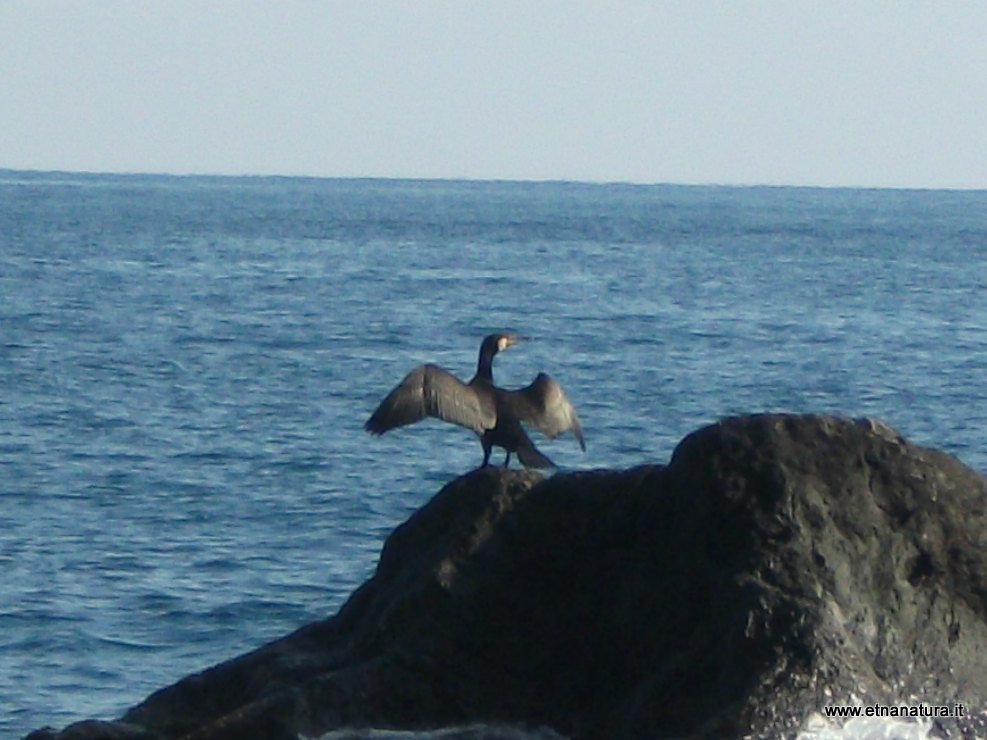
776,565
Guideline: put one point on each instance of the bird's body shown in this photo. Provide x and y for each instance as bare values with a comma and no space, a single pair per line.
494,414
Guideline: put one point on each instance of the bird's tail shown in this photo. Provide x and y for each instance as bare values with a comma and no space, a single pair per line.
530,457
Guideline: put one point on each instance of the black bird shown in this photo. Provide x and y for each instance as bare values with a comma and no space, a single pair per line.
495,414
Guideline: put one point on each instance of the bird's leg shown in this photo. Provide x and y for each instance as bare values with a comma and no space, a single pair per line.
507,460
487,449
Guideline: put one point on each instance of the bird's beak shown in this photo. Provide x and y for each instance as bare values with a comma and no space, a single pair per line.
507,340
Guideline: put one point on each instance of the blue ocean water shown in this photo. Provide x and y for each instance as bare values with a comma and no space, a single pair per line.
186,364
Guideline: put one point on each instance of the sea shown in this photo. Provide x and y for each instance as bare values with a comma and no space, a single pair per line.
186,364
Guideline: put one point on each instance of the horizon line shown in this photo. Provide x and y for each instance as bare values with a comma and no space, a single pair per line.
477,180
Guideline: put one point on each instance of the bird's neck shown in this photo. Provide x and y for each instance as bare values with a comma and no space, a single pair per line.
484,366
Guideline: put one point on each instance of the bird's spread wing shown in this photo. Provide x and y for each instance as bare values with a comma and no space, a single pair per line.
544,405
431,391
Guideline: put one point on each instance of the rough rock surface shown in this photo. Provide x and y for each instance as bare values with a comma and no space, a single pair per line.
776,565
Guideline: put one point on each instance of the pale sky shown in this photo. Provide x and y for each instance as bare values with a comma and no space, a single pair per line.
821,92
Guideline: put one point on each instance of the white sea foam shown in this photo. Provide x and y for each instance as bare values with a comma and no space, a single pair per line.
818,727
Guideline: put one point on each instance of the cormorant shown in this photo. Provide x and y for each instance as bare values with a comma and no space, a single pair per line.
495,414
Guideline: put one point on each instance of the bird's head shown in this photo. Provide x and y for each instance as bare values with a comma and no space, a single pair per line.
492,344
499,342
